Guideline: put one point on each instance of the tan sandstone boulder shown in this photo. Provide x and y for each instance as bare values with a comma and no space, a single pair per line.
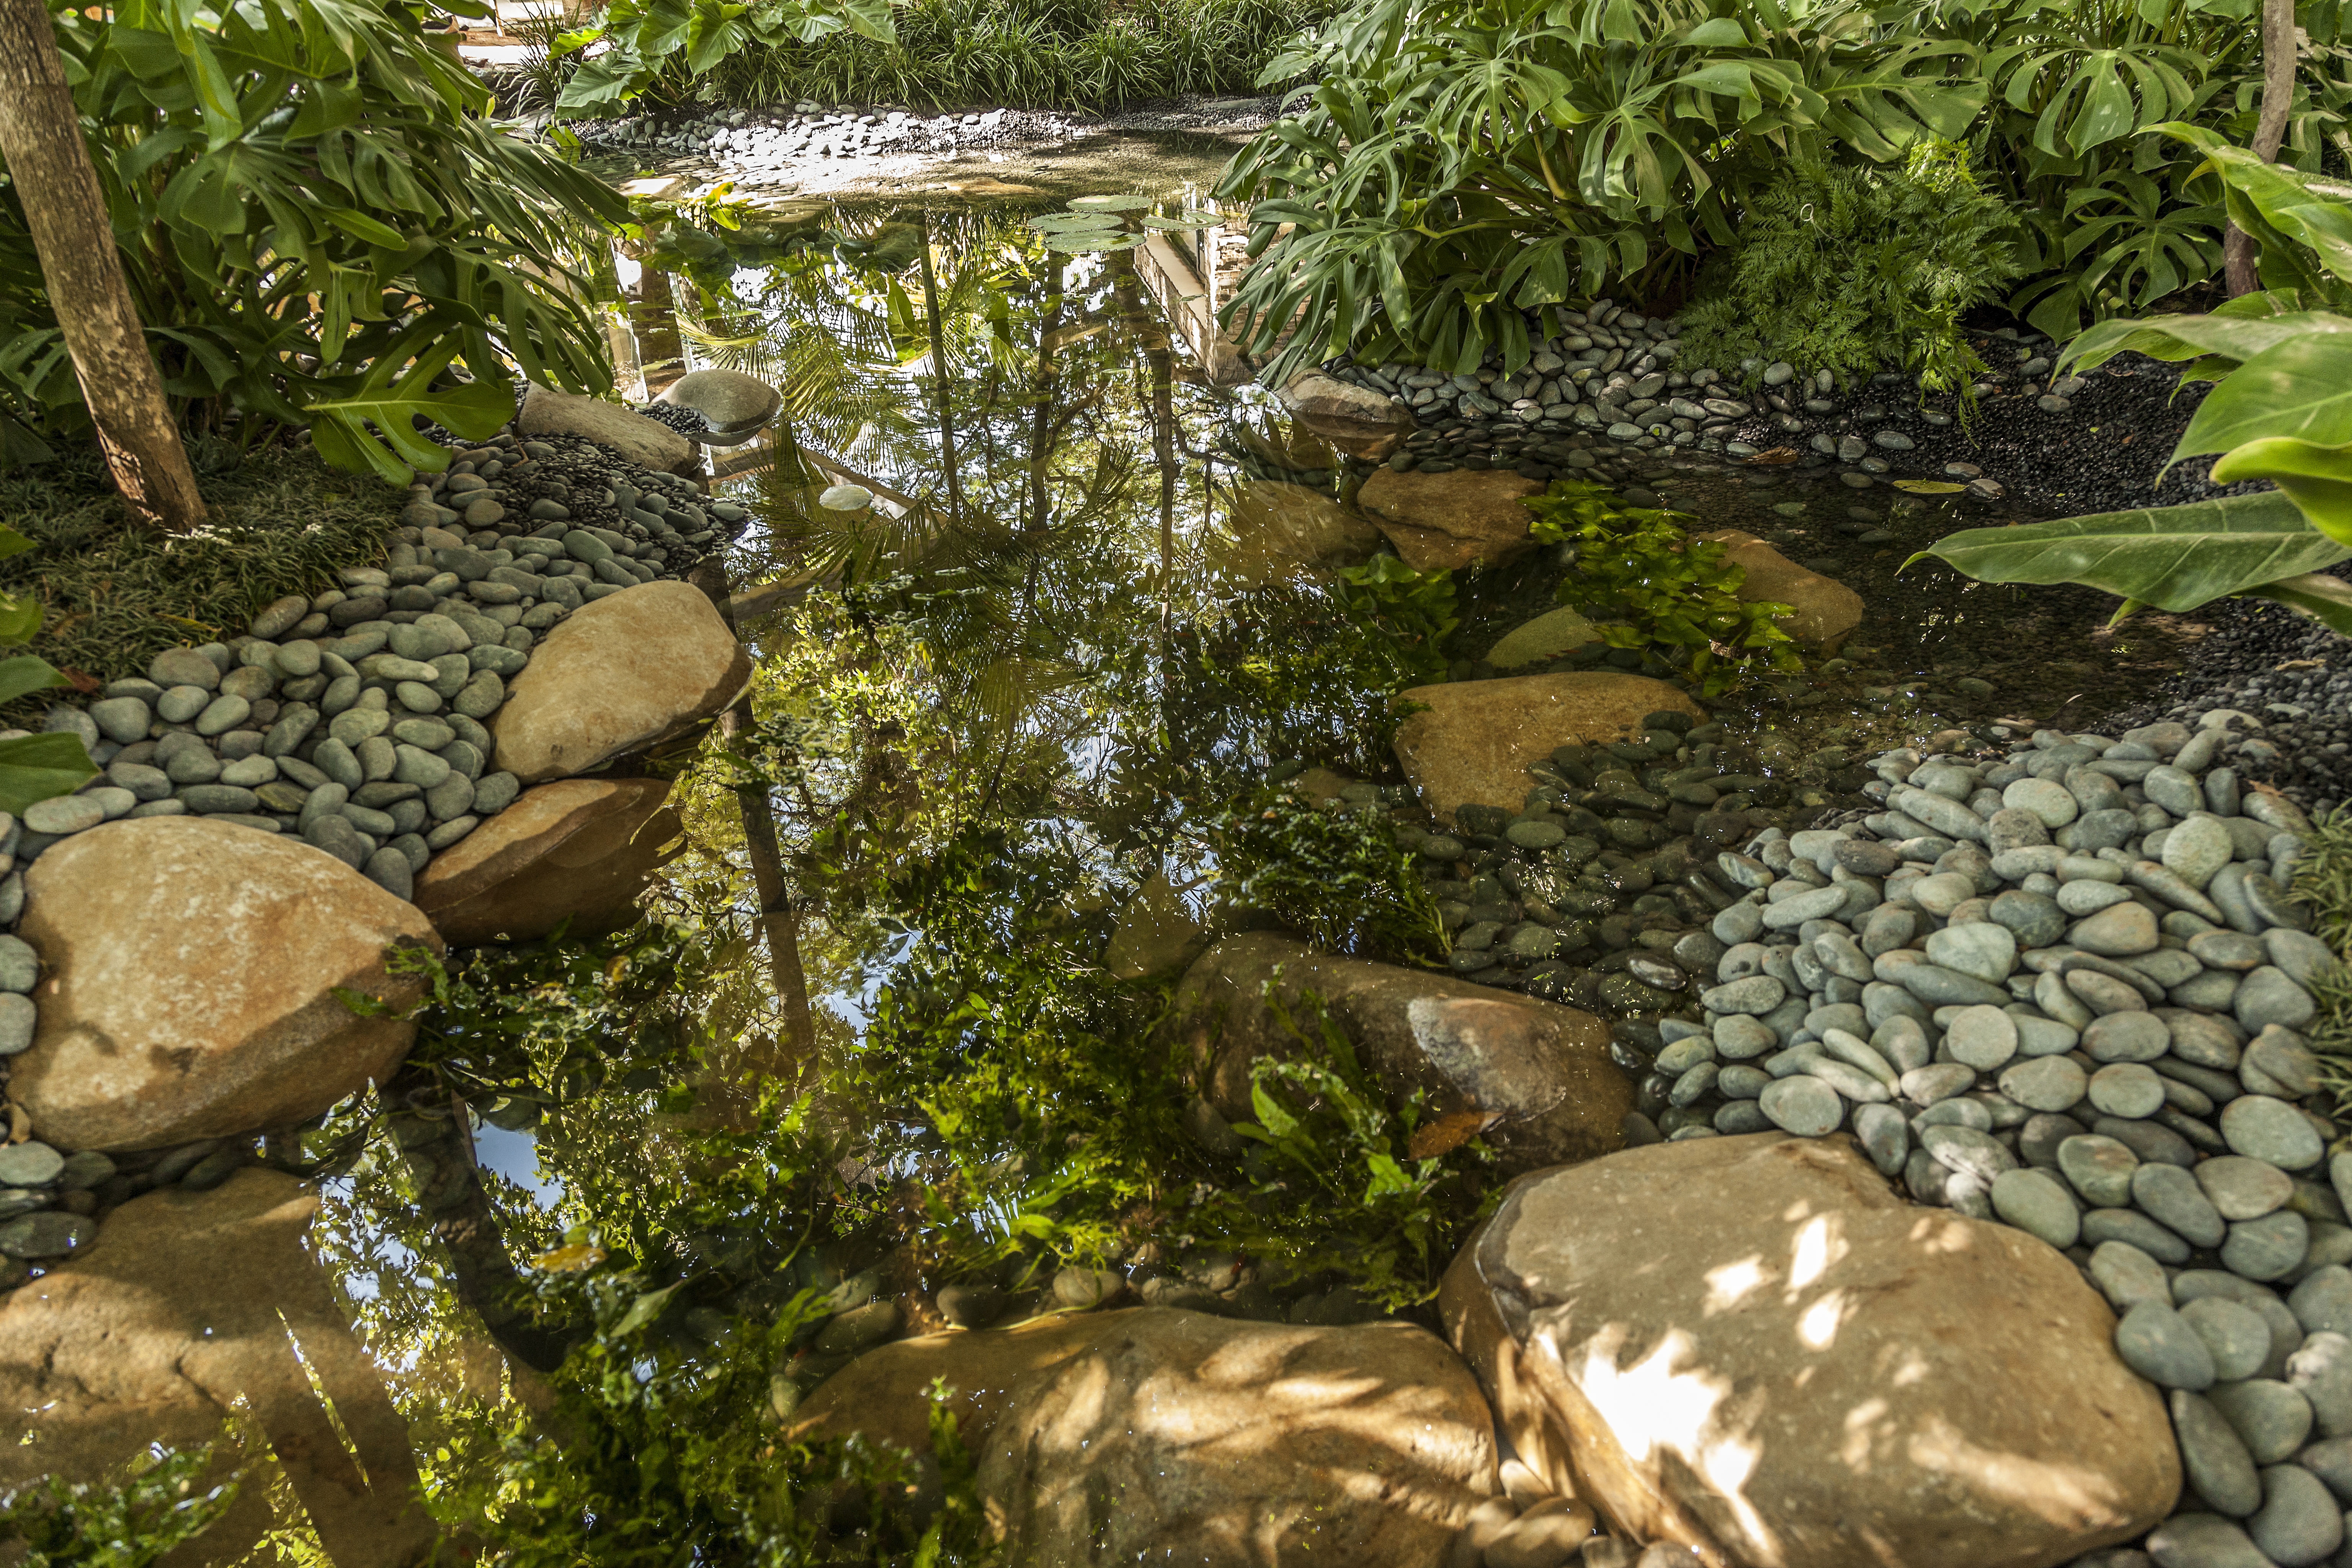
1474,739
1543,639
1358,420
1544,1069
648,443
885,1393
1280,531
1448,520
190,1307
1826,610
616,676
1176,1436
579,851
1754,1347
189,988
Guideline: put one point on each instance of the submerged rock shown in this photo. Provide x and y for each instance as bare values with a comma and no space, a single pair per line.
1355,419
192,993
1440,522
618,675
179,1317
1173,1436
1161,928
1542,1068
1540,640
1473,740
1826,610
1751,1346
579,851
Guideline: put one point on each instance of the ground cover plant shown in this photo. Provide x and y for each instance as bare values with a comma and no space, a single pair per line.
2282,358
1463,164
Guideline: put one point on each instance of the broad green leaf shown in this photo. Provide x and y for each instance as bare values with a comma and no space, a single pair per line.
25,673
2319,478
2174,558
2181,337
38,767
2300,388
12,543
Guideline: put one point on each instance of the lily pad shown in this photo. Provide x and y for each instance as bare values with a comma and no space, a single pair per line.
1930,487
845,498
1110,203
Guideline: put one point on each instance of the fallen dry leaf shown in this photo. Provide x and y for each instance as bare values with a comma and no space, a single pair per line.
1776,457
1449,1132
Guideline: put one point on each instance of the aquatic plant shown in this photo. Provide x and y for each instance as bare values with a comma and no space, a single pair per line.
1411,610
157,1502
1849,270
1645,584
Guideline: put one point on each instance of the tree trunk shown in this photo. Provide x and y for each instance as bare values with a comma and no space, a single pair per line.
2237,251
40,138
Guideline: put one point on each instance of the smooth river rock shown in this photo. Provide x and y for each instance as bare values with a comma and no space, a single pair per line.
1824,610
190,993
1443,522
1751,1346
616,676
578,850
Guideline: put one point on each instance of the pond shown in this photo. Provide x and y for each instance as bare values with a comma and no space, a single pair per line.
1057,671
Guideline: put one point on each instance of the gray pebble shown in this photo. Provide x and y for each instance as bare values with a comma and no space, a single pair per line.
2038,1204
1982,1037
2266,1248
2268,996
2126,1276
2203,1541
2272,1131
2299,1522
52,1232
2129,1224
1884,1137
2157,1343
2171,1196
2098,1168
2214,1456
2330,1459
1803,1104
2129,1090
2234,1335
2046,1083
2243,1188
29,1164
2322,1301
2271,1419
2127,1038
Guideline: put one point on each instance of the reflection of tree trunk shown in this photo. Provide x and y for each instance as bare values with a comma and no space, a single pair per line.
653,316
449,1190
939,376
778,920
1041,417
57,184
1162,361
2237,249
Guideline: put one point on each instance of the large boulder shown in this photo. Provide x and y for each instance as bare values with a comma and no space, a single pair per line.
1473,740
1281,531
648,443
1177,1436
190,1307
577,851
1751,1346
618,675
1357,420
885,1393
1542,1068
192,972
1825,609
1440,521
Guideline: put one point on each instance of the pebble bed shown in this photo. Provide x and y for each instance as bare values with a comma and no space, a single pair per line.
1599,891
352,719
1616,392
745,145
2060,987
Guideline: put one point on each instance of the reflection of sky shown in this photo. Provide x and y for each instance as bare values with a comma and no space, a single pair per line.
515,1156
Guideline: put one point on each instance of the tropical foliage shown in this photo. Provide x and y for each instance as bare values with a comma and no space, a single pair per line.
643,38
1334,876
1849,269
157,1502
2282,411
317,223
1029,54
1464,164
